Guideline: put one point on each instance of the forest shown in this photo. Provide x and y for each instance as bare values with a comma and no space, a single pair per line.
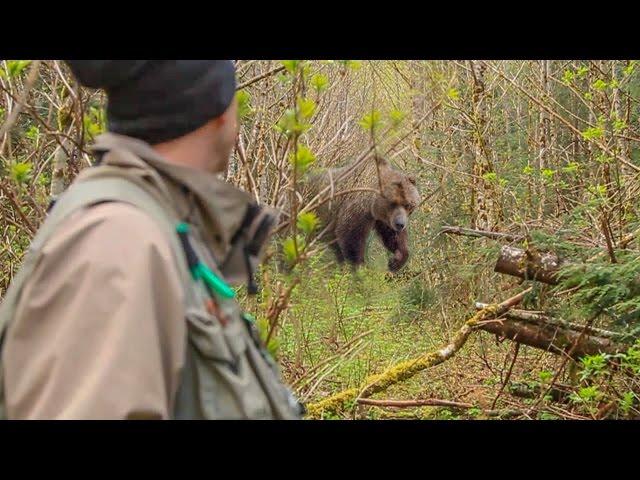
520,296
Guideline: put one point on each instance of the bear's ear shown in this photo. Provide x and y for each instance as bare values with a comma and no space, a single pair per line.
412,179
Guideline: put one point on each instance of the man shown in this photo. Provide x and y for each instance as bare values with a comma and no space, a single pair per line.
122,308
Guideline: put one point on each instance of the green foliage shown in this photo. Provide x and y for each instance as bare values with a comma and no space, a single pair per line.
306,107
21,172
571,167
302,159
490,177
453,94
627,401
289,248
94,121
628,70
600,85
291,65
611,288
593,365
547,173
396,116
587,395
371,121
244,104
418,294
592,133
351,64
582,72
308,222
33,133
545,376
290,125
14,68
568,77
319,82
619,125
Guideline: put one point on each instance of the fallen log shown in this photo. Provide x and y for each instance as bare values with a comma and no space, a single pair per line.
529,265
542,319
409,368
552,338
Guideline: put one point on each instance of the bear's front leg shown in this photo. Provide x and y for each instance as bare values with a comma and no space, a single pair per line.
353,242
397,243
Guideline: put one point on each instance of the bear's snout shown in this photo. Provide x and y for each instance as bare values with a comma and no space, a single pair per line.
399,225
398,220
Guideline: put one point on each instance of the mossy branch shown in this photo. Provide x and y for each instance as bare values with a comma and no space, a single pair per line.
407,369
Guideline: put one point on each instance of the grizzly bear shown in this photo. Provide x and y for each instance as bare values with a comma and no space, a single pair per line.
383,203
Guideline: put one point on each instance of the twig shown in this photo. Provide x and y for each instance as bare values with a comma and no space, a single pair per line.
481,233
260,77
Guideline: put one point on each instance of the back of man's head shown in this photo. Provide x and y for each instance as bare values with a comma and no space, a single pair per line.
159,100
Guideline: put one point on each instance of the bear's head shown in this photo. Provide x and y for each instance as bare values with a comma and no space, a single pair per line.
399,196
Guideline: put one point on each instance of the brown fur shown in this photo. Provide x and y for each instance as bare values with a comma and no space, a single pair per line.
351,217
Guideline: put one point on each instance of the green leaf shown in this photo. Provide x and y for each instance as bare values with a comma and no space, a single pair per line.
33,132
571,167
490,177
21,171
370,121
319,82
453,94
396,116
597,190
600,85
306,69
244,106
307,222
589,393
354,64
582,72
567,77
528,170
289,125
289,250
545,375
603,158
291,65
619,125
548,173
15,67
628,70
302,158
593,132
306,107
626,402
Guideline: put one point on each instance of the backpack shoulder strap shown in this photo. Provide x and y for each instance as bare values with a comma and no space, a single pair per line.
94,189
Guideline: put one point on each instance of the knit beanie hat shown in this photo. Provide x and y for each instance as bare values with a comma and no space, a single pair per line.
159,100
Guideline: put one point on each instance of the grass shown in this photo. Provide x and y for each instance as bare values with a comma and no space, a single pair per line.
343,326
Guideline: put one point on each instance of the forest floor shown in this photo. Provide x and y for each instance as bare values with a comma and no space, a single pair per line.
343,326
